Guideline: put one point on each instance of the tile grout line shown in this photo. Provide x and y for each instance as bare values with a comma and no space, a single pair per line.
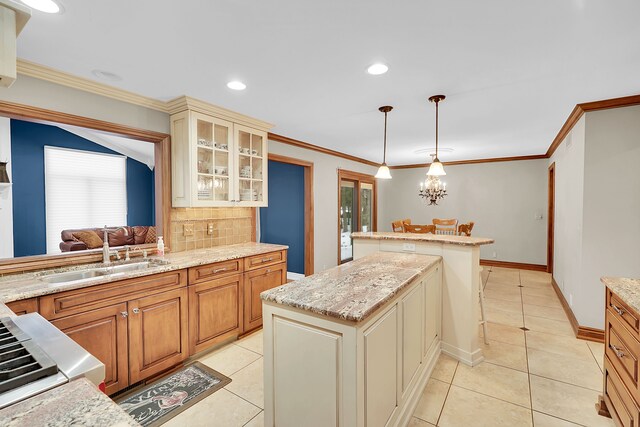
237,395
526,352
257,415
447,396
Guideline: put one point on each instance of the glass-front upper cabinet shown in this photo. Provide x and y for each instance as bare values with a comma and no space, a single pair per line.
251,158
213,140
216,162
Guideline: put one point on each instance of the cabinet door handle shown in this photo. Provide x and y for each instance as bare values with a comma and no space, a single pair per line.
617,351
267,259
618,310
136,310
124,314
218,270
268,271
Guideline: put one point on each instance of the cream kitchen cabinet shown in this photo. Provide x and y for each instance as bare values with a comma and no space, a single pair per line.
218,158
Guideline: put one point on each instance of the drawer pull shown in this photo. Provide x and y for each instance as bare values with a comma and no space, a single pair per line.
618,310
267,259
219,270
617,351
124,314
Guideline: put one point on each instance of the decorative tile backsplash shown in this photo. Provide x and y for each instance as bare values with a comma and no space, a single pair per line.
230,226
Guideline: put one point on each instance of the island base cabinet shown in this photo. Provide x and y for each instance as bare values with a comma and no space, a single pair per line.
215,312
331,372
103,333
158,333
256,282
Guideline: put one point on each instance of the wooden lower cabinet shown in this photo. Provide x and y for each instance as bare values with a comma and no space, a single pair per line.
103,333
24,306
256,282
158,333
215,312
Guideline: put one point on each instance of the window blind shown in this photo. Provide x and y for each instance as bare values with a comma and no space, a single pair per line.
83,190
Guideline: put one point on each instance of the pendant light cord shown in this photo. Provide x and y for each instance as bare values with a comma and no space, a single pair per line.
437,102
384,154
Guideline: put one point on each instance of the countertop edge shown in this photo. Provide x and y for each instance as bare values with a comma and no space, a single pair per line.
626,288
432,238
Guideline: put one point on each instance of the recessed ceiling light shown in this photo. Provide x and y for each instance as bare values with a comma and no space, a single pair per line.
106,75
377,69
236,85
46,6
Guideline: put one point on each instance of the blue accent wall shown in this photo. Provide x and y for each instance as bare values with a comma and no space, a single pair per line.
27,157
282,222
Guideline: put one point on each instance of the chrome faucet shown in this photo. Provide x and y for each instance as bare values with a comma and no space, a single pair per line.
106,253
128,250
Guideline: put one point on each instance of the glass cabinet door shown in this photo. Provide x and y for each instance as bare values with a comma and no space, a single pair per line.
252,166
213,140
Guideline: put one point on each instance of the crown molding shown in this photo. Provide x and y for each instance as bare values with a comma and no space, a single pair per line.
580,109
27,68
184,103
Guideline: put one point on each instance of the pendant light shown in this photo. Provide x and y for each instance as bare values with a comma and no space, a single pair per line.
436,168
432,189
383,170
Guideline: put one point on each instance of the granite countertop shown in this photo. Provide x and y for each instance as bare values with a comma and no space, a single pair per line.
419,237
78,403
627,289
353,291
28,285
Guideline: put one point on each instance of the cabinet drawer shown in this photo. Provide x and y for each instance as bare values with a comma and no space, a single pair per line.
622,349
620,403
623,312
24,306
213,271
80,300
256,282
263,260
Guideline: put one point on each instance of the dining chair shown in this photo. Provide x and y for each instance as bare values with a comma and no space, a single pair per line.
465,229
428,228
446,226
398,226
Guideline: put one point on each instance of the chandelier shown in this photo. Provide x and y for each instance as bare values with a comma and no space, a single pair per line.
432,189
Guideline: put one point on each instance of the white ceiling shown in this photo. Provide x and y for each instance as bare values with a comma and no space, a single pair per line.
512,70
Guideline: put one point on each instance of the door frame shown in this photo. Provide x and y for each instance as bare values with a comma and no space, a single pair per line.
551,205
357,178
308,208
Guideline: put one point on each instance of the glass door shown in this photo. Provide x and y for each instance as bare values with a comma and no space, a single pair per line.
214,161
251,160
357,209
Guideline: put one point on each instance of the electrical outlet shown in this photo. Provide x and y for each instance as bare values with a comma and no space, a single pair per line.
409,247
210,228
187,230
495,254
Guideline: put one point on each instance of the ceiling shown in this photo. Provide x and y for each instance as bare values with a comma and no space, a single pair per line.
512,70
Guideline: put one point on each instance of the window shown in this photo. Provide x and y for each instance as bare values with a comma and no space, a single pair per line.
83,190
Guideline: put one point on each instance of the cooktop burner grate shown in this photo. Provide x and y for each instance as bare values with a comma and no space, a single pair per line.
21,360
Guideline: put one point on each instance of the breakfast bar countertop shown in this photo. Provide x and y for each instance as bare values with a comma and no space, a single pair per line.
28,285
627,289
76,403
353,291
420,237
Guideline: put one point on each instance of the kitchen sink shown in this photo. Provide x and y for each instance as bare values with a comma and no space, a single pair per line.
91,273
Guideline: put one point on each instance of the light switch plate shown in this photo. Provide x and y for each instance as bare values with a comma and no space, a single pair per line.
409,247
187,230
210,228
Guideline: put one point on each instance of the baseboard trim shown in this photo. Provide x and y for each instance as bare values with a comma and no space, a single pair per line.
509,264
581,332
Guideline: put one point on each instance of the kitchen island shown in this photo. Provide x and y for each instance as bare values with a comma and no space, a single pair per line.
353,345
460,282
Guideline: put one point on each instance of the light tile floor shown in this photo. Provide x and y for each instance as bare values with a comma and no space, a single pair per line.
543,377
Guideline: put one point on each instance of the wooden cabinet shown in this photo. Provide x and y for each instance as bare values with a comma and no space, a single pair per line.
218,157
24,306
621,389
215,312
256,282
103,333
158,331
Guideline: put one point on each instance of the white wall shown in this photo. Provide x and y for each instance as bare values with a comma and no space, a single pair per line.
502,199
6,197
325,190
597,208
569,186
